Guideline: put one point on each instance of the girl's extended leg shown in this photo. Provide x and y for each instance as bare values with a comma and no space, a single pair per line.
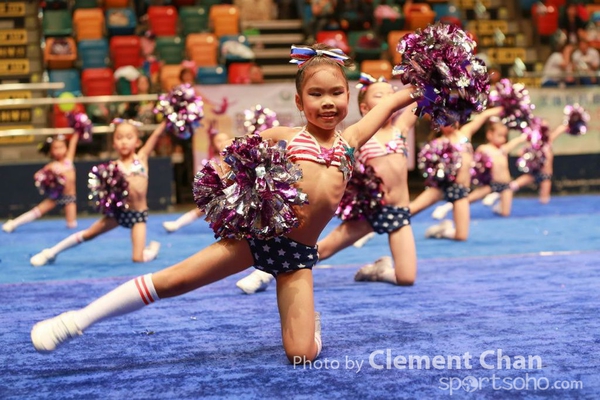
462,219
505,205
141,253
31,215
301,338
426,199
185,219
404,254
344,235
215,262
71,215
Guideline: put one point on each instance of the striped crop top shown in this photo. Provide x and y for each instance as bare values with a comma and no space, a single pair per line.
374,148
136,168
304,147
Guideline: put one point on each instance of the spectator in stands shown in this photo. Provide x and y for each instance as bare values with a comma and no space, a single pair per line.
586,61
355,14
323,15
256,74
571,22
558,68
187,76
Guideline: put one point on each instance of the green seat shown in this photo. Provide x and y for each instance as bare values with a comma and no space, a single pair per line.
208,3
57,23
85,4
193,19
170,49
370,50
352,73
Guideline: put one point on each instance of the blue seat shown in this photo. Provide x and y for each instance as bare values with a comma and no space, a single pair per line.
212,75
93,53
71,79
120,21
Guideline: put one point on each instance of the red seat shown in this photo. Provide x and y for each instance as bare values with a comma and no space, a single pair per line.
239,73
335,39
545,19
97,82
126,50
163,20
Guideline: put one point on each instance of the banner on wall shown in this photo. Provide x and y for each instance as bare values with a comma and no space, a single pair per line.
225,105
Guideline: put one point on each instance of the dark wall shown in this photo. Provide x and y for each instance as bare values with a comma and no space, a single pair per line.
19,194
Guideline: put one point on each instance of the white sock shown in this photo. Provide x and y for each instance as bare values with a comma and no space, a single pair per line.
130,296
29,216
186,218
449,233
67,243
151,251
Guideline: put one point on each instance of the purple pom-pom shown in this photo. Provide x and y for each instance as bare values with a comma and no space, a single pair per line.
439,161
532,160
81,124
108,188
255,197
481,171
514,98
576,119
259,118
183,110
49,183
363,195
439,61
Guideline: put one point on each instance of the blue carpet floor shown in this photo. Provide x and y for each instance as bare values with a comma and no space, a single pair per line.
522,291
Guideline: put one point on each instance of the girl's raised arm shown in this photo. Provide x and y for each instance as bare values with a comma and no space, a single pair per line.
72,146
151,142
477,122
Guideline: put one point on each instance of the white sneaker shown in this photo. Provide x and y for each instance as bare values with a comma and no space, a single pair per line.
361,242
257,281
437,231
151,251
8,226
170,226
372,272
440,212
497,208
490,199
42,258
49,334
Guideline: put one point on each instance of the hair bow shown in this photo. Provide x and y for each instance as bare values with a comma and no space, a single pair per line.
117,121
302,54
367,80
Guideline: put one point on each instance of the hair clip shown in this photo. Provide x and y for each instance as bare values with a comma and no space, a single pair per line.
118,121
367,80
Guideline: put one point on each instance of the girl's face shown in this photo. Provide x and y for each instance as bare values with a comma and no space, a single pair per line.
324,97
143,85
375,92
187,77
58,149
125,139
498,134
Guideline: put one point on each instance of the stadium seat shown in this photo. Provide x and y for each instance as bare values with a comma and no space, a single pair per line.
93,53
234,48
97,82
365,45
212,75
419,15
184,3
88,23
193,20
126,50
57,23
239,73
115,4
224,19
202,49
163,20
377,68
71,79
60,53
85,4
393,39
120,21
352,72
169,76
545,19
170,49
55,4
337,39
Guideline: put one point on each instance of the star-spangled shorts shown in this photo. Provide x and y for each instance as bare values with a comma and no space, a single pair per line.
65,199
282,254
389,219
498,187
541,177
127,219
455,192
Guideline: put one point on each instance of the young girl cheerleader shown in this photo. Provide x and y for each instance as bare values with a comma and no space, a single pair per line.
385,155
318,160
128,174
56,181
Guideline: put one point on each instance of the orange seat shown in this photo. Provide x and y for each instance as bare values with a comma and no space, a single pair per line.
97,82
393,39
202,48
126,50
419,16
377,68
163,20
224,19
169,76
64,59
239,73
88,23
337,39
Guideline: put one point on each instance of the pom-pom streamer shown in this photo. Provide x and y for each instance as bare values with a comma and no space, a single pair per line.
514,99
108,188
363,195
576,119
439,161
49,183
259,118
183,110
